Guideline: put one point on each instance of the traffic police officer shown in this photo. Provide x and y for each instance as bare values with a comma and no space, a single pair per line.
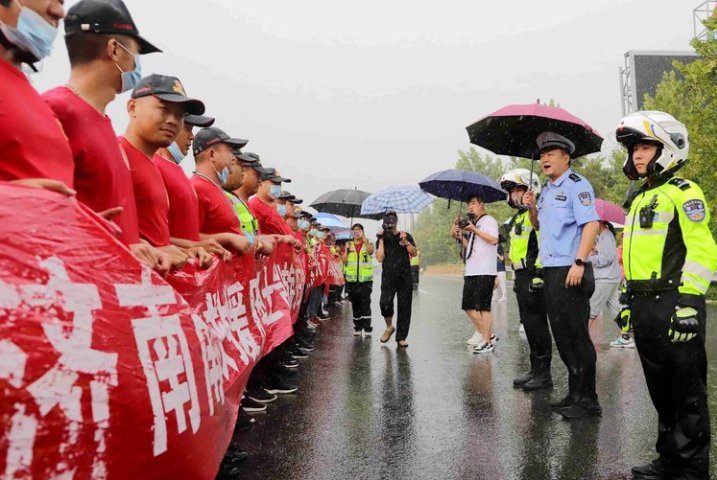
568,222
526,266
358,270
669,257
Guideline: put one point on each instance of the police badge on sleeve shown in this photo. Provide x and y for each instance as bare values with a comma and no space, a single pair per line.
695,210
585,198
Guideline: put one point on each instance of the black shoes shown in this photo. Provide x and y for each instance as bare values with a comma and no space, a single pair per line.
260,395
540,381
252,406
281,385
562,404
522,380
655,470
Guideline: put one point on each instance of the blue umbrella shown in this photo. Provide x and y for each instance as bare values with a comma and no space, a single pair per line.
461,185
402,199
331,221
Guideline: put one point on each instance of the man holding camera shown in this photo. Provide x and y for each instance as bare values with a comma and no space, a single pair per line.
568,224
394,249
479,240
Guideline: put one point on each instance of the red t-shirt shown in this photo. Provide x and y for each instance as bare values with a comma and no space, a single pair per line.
216,214
32,143
270,222
102,177
150,196
183,203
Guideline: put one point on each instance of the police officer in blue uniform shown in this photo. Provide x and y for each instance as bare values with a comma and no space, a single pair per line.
568,223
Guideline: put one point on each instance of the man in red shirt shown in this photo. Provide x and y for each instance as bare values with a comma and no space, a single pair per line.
183,202
213,154
33,148
265,210
97,58
156,110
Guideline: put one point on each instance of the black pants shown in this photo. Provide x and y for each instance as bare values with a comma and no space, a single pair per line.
531,308
400,285
416,273
360,296
569,311
676,375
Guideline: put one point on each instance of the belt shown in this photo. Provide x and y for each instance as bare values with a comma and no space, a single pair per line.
649,288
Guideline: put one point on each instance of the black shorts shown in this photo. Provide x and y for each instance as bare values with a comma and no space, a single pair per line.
478,292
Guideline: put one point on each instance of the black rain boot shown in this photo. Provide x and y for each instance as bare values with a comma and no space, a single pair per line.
541,379
523,379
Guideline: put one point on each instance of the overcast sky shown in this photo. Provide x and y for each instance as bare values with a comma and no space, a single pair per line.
378,93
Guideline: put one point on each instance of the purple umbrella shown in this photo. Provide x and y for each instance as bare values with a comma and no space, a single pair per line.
609,212
512,130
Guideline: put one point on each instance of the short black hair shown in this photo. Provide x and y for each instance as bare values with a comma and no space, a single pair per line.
357,225
477,197
86,47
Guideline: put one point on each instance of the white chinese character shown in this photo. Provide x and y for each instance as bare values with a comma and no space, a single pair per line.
165,356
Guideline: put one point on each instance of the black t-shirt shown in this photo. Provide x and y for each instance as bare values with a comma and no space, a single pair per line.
396,261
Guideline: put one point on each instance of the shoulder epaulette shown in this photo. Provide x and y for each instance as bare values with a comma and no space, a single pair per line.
680,183
574,177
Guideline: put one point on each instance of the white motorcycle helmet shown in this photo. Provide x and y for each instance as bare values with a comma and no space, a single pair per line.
519,177
659,128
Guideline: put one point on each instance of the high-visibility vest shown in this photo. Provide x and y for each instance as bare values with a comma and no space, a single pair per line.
359,267
521,233
416,260
249,223
677,250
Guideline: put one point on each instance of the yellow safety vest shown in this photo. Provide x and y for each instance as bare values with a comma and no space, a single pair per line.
667,243
249,223
359,268
520,235
416,260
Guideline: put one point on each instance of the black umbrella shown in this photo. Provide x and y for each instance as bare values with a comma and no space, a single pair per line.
461,185
512,130
344,202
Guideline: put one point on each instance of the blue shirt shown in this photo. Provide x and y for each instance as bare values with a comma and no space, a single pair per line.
563,208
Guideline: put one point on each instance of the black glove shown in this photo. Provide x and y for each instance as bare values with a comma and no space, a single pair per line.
536,283
624,319
684,325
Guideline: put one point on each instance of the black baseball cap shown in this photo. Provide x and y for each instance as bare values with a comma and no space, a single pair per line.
206,137
285,195
105,16
199,120
274,177
248,157
169,89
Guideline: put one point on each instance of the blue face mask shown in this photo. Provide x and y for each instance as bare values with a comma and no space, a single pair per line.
275,191
176,152
303,224
223,175
281,209
33,34
313,232
130,79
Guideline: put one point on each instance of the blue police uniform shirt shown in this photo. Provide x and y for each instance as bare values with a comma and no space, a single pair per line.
563,208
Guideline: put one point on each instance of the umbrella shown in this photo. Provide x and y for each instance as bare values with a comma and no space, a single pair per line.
344,202
512,130
332,221
610,212
461,185
402,199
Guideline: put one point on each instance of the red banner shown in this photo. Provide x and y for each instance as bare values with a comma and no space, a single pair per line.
107,371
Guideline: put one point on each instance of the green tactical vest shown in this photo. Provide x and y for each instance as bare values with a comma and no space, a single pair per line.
667,243
359,268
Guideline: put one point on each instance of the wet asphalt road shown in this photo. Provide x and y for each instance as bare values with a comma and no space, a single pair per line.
366,410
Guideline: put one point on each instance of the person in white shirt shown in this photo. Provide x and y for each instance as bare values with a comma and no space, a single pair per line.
479,240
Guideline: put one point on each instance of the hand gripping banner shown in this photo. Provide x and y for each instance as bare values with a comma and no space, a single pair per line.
107,371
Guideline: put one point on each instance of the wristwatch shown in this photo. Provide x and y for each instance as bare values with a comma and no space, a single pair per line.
579,262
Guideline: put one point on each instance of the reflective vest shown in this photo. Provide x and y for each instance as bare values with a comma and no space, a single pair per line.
524,241
667,243
249,223
416,260
359,268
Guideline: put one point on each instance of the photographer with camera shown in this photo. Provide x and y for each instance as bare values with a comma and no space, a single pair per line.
478,235
394,249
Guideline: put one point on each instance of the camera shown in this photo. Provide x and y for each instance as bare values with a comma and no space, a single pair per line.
464,222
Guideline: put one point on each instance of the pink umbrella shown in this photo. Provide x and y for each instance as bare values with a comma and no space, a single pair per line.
512,130
610,212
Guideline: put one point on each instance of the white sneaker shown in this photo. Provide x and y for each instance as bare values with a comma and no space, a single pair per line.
623,343
476,339
521,329
483,348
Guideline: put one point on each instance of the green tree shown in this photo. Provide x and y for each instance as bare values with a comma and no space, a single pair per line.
690,95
